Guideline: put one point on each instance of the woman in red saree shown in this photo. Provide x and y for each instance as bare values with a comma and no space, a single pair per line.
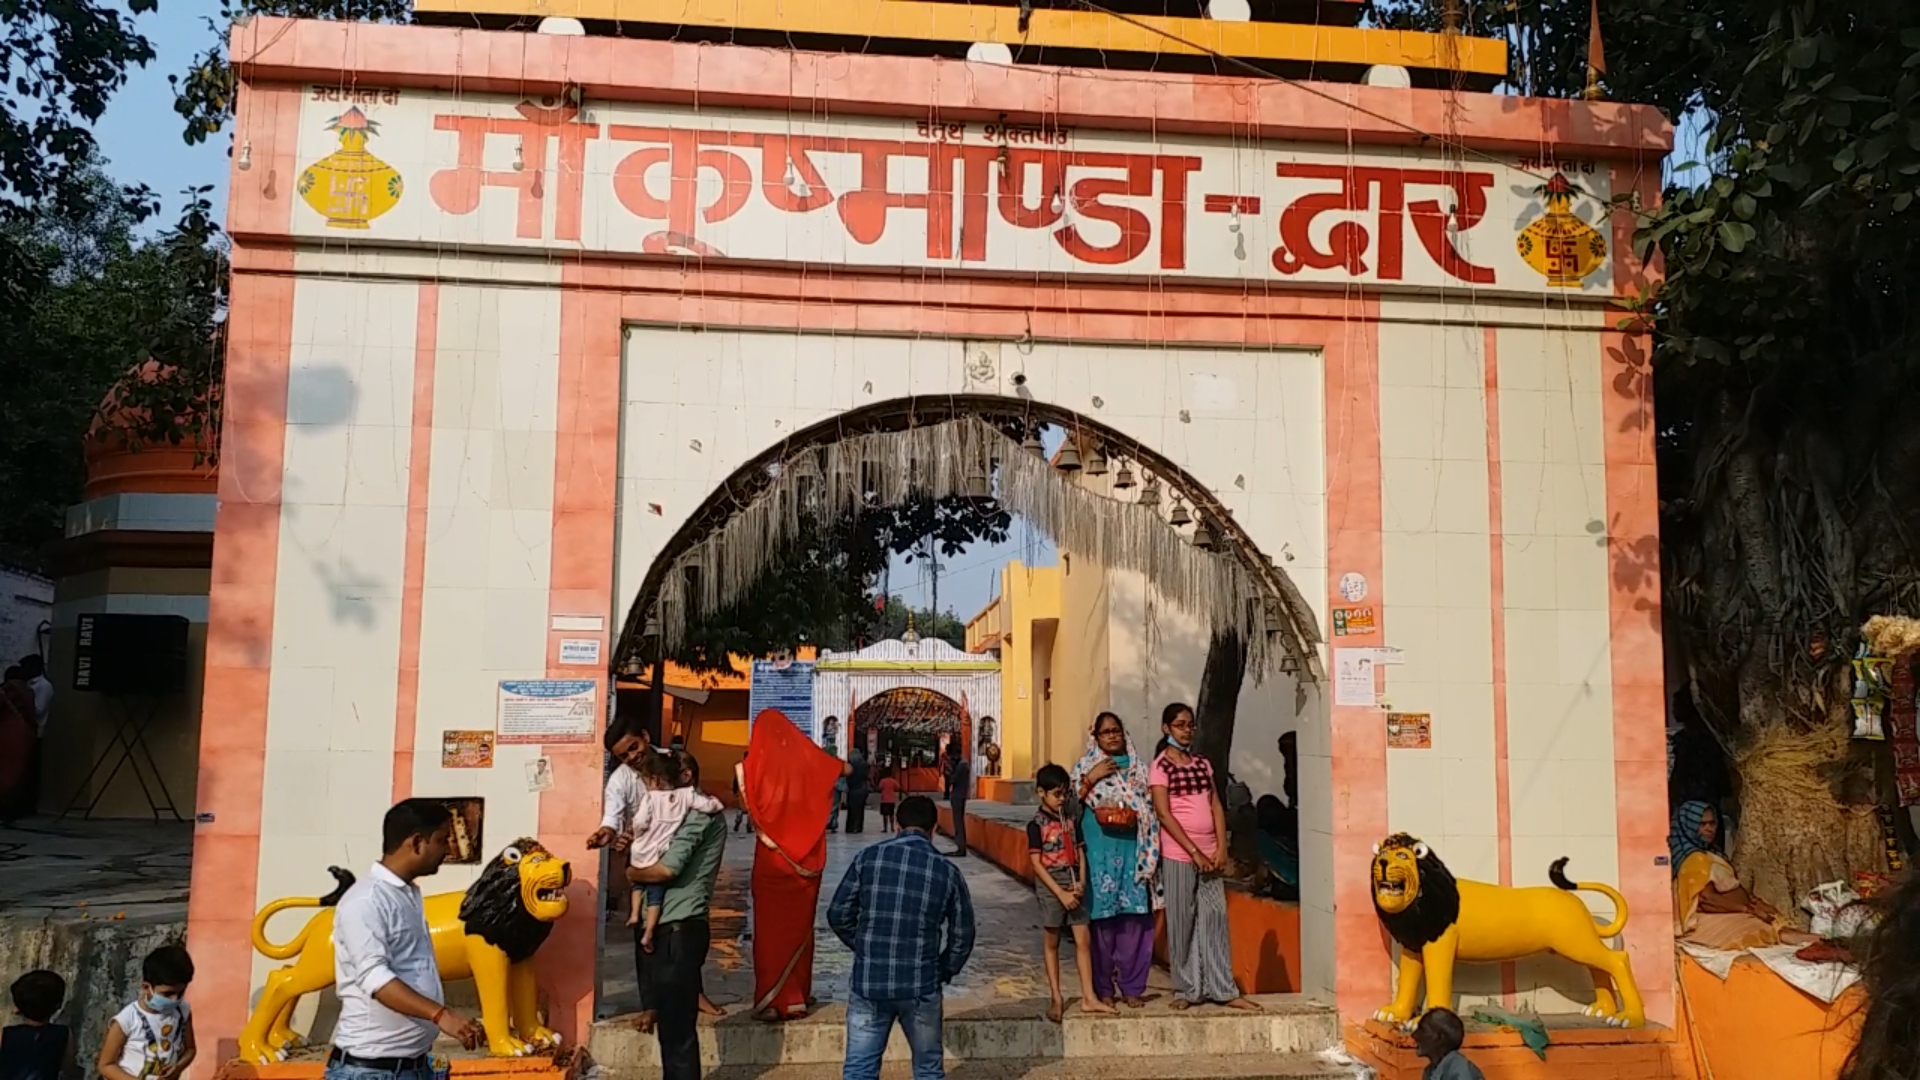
789,793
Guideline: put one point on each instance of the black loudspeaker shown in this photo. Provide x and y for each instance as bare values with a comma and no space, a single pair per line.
130,654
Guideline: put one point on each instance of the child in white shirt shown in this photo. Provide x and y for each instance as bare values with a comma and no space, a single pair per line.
152,1038
658,813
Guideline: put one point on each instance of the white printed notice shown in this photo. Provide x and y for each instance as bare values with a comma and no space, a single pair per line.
1353,677
547,711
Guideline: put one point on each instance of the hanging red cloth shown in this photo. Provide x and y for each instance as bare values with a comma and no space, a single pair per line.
1902,733
789,795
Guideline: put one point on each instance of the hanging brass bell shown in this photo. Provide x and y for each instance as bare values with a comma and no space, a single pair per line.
1179,519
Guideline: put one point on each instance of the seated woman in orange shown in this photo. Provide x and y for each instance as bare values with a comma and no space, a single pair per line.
789,786
1710,908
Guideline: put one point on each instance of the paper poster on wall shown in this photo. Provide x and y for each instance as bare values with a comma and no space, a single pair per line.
466,750
1353,677
580,652
1352,620
1353,587
546,711
539,774
1409,731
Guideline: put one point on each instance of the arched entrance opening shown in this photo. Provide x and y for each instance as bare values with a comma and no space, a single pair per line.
1208,531
905,732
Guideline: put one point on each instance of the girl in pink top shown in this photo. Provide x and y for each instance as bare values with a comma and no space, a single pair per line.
1193,825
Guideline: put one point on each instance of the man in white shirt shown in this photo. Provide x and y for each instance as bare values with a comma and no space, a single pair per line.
385,975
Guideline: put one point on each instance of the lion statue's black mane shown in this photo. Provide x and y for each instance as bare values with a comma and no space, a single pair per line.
1435,906
493,910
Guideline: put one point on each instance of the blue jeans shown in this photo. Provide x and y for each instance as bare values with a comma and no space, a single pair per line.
870,1022
340,1070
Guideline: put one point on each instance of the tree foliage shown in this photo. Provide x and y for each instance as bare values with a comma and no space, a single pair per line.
60,60
929,624
91,299
818,592
204,96
1783,377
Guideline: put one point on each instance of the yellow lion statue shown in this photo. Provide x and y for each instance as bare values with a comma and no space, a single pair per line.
488,934
1439,921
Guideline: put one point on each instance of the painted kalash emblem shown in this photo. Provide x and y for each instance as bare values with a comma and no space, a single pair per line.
351,187
1561,247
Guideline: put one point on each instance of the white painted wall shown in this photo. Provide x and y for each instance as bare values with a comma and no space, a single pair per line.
336,620
26,601
489,543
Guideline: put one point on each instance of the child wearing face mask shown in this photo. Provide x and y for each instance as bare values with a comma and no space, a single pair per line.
152,1038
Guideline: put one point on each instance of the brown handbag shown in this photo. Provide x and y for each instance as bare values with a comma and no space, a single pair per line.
1116,818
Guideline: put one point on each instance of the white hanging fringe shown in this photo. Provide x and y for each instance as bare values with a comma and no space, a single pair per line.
957,457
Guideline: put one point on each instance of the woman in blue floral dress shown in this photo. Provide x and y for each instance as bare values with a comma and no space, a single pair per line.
1123,852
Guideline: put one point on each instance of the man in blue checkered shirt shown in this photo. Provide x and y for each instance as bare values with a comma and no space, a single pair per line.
891,908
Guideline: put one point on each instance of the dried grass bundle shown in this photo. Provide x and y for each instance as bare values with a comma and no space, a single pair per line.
1892,635
1794,834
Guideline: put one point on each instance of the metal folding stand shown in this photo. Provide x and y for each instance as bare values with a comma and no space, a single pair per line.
137,713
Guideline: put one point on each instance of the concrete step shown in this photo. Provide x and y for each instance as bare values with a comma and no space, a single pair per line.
1014,1031
1221,1067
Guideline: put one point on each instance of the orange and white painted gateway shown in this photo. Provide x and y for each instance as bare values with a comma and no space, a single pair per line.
508,306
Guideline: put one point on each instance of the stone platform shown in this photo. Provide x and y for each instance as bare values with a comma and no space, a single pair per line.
1579,1048
1013,1034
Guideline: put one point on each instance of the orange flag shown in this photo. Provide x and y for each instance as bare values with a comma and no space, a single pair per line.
1596,49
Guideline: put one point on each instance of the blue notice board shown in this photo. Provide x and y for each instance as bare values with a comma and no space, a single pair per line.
788,688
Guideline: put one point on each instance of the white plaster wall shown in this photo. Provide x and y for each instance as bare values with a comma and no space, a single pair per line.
489,542
1436,558
1559,659
336,632
26,601
1157,654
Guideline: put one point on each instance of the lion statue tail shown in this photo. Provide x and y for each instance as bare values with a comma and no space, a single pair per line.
1557,874
342,881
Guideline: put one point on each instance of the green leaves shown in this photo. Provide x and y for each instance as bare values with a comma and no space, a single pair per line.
63,59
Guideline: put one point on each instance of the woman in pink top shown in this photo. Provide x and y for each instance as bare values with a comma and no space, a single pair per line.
1193,828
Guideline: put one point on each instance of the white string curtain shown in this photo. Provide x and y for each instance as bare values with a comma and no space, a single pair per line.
962,456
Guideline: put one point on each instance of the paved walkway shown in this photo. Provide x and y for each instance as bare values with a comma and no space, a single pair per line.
1007,963
57,869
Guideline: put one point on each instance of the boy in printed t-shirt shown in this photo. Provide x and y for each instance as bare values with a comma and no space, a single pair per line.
152,1038
1059,860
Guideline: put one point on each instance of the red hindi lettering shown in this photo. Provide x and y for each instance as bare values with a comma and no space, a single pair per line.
864,210
788,176
1430,221
685,158
457,190
1348,241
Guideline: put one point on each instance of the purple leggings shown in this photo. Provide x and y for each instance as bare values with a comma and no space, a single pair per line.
1122,955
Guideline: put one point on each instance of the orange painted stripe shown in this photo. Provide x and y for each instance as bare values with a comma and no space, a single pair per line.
406,709
240,604
586,457
1637,653
1497,577
1363,978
